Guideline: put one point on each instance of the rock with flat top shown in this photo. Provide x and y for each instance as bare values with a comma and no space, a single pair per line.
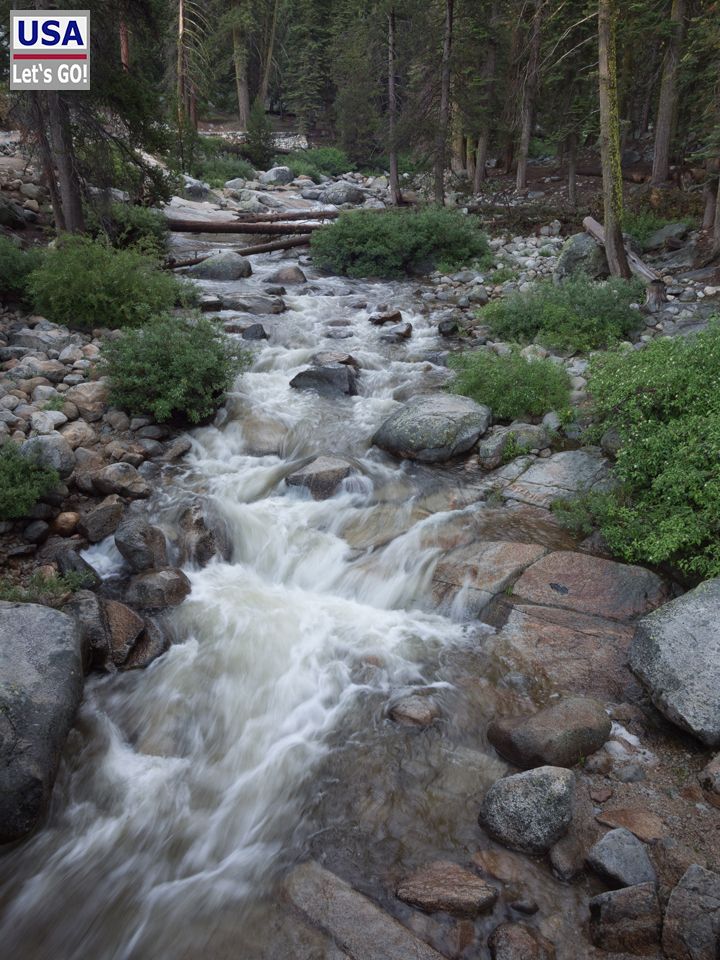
433,428
447,887
622,859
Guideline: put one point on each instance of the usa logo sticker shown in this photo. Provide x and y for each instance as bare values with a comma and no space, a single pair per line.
49,49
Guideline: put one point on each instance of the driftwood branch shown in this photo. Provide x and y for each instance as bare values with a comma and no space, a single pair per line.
656,295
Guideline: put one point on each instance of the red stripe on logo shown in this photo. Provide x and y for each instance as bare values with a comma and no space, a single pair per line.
49,56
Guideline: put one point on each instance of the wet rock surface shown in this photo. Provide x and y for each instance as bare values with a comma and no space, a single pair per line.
322,477
627,920
433,429
448,887
530,811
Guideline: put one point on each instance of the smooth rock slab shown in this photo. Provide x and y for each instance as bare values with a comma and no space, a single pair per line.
676,654
561,476
41,682
591,585
692,919
322,477
358,926
448,887
475,573
141,544
530,811
622,859
222,266
627,920
433,428
560,735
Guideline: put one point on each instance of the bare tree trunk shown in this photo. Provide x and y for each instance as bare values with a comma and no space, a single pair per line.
572,168
528,102
241,75
269,54
710,194
457,158
668,96
395,195
444,117
610,139
716,228
124,42
64,156
488,78
40,125
181,71
470,157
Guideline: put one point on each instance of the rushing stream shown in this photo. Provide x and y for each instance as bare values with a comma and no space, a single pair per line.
262,736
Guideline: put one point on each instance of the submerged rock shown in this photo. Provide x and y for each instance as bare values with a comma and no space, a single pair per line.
322,477
561,735
530,811
627,920
42,682
222,266
414,711
448,887
676,654
329,380
433,428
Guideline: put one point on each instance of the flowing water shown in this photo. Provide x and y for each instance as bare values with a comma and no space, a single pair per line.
261,737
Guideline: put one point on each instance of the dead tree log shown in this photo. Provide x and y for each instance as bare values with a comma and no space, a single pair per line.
287,216
285,244
656,293
237,226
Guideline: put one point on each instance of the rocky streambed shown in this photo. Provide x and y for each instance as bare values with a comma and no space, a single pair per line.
399,710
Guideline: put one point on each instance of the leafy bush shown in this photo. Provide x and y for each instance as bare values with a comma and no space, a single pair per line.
578,315
330,161
22,482
641,225
259,143
86,284
125,225
664,402
218,170
16,265
175,366
366,243
511,385
49,590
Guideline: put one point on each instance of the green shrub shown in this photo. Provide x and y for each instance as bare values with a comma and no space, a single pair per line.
259,145
510,385
22,482
330,161
86,284
366,243
641,225
664,402
503,274
16,265
48,590
577,315
175,366
218,170
125,225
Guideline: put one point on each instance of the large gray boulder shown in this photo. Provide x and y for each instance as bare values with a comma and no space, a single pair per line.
433,428
52,451
329,380
342,192
222,266
141,544
692,920
195,189
279,175
581,255
676,654
530,811
40,689
622,859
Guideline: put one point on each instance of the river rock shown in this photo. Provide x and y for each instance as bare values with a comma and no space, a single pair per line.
226,265
433,428
278,175
79,434
671,231
202,537
158,589
122,478
581,255
342,192
45,422
289,275
414,711
710,780
50,451
691,930
195,189
90,398
560,477
357,925
398,333
124,628
256,331
561,735
141,544
256,305
41,688
380,319
622,859
448,887
68,560
530,811
322,477
676,654
591,585
89,611
627,920
102,520
330,380
516,941
150,645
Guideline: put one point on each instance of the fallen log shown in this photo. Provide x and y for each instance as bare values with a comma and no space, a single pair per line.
288,215
656,295
632,176
237,226
171,264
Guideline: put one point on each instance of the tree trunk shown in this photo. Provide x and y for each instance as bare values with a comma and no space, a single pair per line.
528,101
241,75
181,69
395,195
457,159
572,169
610,139
444,117
488,79
710,191
716,228
269,54
470,158
668,96
40,125
124,43
64,156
